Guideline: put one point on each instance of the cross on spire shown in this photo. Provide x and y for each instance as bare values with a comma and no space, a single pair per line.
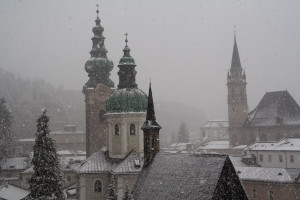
97,9
126,40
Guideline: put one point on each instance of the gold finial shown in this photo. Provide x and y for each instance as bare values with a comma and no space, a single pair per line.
97,9
126,40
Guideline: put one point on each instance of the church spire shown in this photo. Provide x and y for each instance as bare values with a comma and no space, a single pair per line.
127,68
235,62
150,122
151,132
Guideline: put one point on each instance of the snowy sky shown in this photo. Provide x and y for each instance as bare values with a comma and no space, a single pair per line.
184,46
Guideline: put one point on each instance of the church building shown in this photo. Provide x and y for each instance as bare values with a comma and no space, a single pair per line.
276,116
114,117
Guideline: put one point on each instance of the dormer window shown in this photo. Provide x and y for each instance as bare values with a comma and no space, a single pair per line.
132,129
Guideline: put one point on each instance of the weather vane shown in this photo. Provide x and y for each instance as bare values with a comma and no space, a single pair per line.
126,40
97,9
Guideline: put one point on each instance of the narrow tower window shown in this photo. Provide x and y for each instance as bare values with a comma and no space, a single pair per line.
132,129
117,129
97,186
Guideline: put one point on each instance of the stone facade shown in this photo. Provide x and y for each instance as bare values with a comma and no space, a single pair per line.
96,127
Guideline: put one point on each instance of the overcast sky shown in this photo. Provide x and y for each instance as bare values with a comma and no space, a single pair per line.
184,46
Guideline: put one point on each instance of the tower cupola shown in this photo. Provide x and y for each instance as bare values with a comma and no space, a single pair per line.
98,66
127,98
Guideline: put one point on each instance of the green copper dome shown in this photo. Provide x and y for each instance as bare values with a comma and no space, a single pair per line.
126,59
127,100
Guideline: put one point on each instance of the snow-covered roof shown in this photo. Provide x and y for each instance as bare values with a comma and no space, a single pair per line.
69,163
178,145
263,174
237,162
99,162
215,145
66,132
27,140
288,144
17,163
10,192
274,109
216,124
185,176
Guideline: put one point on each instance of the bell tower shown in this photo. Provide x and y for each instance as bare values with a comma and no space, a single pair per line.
237,96
96,91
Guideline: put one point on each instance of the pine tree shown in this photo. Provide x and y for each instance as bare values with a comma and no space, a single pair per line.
112,193
5,128
46,181
127,195
183,133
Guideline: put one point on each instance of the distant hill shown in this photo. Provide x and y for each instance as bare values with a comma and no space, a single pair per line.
26,99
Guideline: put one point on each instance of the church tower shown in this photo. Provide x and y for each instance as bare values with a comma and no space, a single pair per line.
96,91
237,96
125,111
151,132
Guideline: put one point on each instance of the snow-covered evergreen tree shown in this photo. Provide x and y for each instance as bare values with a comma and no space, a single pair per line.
46,181
5,128
112,192
127,195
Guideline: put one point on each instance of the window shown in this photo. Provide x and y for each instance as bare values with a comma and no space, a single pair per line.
117,130
132,129
271,195
254,193
153,143
270,158
280,158
101,115
97,186
261,157
292,158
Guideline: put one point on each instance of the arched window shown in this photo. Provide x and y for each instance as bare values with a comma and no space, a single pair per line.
117,129
97,186
132,129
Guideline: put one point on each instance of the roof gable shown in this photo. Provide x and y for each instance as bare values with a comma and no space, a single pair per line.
275,108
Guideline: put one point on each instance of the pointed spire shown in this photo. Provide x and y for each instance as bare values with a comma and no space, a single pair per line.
150,122
235,63
150,108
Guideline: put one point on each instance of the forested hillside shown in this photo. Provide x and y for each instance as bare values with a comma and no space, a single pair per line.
27,98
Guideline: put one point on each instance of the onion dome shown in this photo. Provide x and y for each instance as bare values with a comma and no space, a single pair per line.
127,98
98,66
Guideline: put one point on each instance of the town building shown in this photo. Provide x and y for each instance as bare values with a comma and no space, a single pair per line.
284,153
70,138
215,130
275,117
270,183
